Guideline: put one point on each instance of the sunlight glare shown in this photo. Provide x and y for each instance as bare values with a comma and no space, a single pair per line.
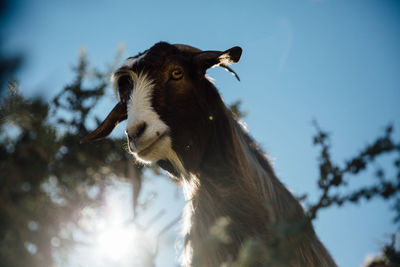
117,243
111,235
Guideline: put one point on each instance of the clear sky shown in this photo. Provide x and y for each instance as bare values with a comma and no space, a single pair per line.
335,61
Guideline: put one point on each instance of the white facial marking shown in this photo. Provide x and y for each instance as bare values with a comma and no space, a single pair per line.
140,111
155,143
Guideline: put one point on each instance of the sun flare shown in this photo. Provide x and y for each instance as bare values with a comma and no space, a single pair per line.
117,242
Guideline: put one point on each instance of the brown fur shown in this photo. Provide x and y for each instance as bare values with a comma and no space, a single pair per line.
235,180
235,200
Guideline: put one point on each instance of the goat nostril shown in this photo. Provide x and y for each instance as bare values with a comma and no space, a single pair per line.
136,132
139,130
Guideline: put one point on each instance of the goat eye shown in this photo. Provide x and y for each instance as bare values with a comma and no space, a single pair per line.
177,74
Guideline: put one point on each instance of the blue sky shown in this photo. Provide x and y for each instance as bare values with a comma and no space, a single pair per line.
337,62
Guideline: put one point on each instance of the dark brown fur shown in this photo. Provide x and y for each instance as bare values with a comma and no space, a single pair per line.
226,178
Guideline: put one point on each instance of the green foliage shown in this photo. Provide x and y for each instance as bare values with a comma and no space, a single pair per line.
332,175
46,175
390,256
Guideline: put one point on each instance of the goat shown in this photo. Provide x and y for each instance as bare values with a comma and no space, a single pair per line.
177,119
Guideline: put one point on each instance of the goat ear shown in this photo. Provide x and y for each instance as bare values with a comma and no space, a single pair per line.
117,114
208,59
230,56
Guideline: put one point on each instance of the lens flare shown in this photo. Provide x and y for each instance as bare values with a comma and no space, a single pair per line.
117,243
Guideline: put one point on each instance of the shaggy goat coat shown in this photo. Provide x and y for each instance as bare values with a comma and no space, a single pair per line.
237,212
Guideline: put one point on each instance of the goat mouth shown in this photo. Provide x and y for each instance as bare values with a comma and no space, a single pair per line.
150,146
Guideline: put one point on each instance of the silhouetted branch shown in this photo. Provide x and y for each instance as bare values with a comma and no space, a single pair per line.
334,176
